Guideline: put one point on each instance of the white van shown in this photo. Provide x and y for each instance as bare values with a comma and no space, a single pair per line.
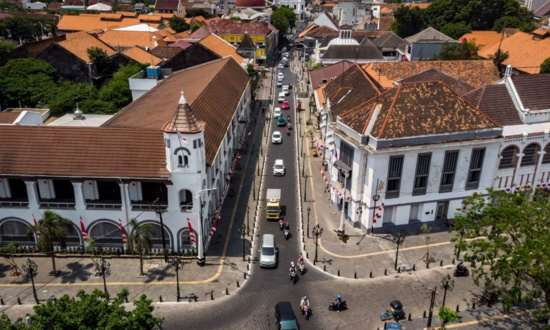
281,97
268,251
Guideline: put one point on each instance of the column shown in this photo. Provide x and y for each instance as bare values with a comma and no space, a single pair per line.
518,163
80,204
126,209
32,194
537,168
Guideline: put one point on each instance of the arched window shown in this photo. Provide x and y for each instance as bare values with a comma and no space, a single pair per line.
106,234
509,157
15,231
186,200
546,158
530,155
73,238
156,237
185,239
183,161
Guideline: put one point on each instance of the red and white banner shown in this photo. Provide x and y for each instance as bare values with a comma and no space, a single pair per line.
213,229
123,232
83,230
36,226
192,236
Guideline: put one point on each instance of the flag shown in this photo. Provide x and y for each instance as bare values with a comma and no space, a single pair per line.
123,233
213,229
182,138
192,236
36,225
83,230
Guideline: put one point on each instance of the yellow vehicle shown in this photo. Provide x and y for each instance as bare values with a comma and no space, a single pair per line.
273,205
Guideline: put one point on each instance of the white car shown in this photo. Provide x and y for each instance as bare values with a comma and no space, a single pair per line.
286,90
279,82
281,97
281,76
276,137
279,168
281,66
277,112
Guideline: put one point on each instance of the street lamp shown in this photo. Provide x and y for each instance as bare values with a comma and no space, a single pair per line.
200,243
341,229
308,212
316,232
104,269
432,303
30,268
242,231
447,284
177,264
375,198
397,239
248,220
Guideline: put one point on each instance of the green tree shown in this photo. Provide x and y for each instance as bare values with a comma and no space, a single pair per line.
254,79
289,14
455,30
515,253
280,22
458,51
99,58
90,311
498,58
195,27
117,91
178,24
545,66
447,316
6,47
235,18
408,21
19,27
139,239
197,12
26,81
66,95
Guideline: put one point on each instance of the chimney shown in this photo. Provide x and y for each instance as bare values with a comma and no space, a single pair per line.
508,73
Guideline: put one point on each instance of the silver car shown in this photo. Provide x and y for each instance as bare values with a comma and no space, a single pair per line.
268,252
276,137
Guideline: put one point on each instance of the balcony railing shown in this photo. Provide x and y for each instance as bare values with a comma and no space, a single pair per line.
103,204
57,204
147,206
392,194
186,207
10,202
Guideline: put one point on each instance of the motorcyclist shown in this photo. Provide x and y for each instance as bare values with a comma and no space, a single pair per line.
287,131
281,223
301,260
292,267
286,225
460,266
304,302
336,302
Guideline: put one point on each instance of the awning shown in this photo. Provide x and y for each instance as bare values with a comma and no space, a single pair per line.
342,166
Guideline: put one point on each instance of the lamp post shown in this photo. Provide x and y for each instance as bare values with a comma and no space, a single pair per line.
104,269
398,239
242,231
375,198
248,220
432,302
200,243
305,189
342,230
308,212
177,264
316,232
30,268
159,210
447,284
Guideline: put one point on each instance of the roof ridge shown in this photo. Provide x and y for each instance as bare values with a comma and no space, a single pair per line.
397,92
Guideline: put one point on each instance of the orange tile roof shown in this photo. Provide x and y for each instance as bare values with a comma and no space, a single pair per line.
92,22
132,38
74,35
221,47
311,27
385,10
128,13
524,53
182,35
212,19
80,46
483,38
199,18
172,31
139,55
150,18
170,39
165,15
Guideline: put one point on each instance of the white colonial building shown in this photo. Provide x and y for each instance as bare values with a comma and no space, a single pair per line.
421,148
153,158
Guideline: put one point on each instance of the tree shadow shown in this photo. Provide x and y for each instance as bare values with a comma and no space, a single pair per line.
76,272
158,274
5,270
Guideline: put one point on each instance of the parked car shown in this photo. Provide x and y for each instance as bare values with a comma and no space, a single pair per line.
279,82
276,137
277,112
285,105
281,97
284,315
281,76
281,66
281,121
279,167
268,251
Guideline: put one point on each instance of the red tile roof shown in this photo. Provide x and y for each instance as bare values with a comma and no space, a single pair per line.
8,117
495,102
166,4
213,91
250,3
227,26
82,152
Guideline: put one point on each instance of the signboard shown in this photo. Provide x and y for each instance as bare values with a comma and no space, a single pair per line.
393,326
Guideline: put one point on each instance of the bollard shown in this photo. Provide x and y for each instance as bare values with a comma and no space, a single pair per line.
212,295
1,301
453,261
18,301
474,305
238,285
410,317
303,239
227,291
325,268
414,267
160,298
424,315
355,275
245,276
399,270
457,308
370,275
441,263
427,265
313,262
338,272
248,267
385,272
248,259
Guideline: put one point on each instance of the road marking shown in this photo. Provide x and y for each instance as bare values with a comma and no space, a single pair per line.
492,318
365,254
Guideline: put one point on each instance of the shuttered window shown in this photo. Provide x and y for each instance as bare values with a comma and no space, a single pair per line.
422,172
474,173
529,155
509,158
449,170
395,169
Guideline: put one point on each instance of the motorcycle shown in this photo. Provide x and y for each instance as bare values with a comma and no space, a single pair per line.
287,132
302,268
306,310
338,307
396,312
286,233
461,270
293,277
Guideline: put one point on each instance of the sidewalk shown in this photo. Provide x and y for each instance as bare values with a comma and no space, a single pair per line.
224,271
360,254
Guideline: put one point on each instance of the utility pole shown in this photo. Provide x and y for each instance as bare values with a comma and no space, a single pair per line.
375,198
308,212
30,267
432,302
398,239
341,230
305,189
447,284
248,219
458,249
200,241
177,264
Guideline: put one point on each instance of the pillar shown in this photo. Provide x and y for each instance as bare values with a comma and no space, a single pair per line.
516,170
80,203
32,194
537,168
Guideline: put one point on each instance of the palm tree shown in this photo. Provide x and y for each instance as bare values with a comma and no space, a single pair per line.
52,228
139,238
